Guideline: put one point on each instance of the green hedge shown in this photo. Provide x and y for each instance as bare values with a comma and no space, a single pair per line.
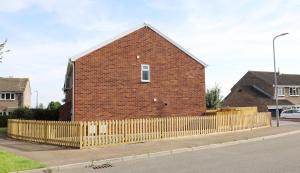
3,121
30,114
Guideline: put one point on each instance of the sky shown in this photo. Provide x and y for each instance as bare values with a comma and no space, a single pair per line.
232,37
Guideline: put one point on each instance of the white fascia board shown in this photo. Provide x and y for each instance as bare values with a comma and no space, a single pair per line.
177,45
281,106
74,58
288,86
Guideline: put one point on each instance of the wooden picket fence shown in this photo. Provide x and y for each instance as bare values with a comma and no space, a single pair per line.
233,110
63,133
107,132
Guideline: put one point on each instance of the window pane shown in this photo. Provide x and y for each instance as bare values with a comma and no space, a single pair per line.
145,67
280,91
145,75
294,91
2,96
12,96
7,96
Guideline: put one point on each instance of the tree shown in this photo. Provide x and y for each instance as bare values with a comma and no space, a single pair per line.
214,98
2,51
41,106
53,105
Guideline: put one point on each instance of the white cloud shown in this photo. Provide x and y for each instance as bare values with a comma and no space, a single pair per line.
231,38
88,15
13,5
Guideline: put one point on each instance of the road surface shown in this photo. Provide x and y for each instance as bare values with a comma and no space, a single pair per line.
279,155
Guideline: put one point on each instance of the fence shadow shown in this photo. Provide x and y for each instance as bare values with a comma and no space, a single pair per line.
27,146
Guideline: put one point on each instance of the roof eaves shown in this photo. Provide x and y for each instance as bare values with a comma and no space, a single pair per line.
74,58
260,77
177,45
98,46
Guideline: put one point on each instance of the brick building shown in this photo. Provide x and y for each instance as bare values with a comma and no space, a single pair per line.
141,73
14,93
256,88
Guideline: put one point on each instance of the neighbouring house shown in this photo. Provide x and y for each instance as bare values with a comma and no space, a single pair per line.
256,88
140,73
14,93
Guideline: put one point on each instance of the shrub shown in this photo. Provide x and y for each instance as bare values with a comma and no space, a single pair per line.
3,121
30,114
214,98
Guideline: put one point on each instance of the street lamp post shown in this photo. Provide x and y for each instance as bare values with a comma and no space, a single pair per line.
275,78
37,99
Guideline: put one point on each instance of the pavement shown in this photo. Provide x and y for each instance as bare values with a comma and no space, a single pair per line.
57,156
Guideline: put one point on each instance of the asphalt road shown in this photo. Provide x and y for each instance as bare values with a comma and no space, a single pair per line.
279,155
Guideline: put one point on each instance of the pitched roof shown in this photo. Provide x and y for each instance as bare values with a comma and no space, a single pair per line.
130,31
13,84
261,97
283,79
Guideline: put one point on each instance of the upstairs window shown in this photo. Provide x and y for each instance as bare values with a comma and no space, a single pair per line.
12,96
294,91
145,73
7,96
280,91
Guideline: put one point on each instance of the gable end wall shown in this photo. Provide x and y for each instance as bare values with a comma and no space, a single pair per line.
108,82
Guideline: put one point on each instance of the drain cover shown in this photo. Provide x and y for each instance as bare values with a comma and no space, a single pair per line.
105,165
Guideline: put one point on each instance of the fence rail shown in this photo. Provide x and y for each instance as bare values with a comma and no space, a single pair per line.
106,132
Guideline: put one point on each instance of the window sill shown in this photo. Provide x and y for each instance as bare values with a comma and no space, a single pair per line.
294,95
145,81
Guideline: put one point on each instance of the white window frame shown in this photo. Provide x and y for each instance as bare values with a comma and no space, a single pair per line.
13,95
148,70
10,94
1,96
295,91
280,91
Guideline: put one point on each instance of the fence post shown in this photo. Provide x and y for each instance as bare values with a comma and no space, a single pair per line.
80,135
45,131
270,119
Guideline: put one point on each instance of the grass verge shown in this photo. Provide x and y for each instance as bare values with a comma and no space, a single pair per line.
2,130
10,162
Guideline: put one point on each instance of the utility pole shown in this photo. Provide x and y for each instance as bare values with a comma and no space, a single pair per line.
2,52
37,99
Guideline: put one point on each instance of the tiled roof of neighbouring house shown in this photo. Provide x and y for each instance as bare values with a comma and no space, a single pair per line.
13,84
283,79
262,98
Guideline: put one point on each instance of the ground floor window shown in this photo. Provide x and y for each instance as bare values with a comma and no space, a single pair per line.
5,113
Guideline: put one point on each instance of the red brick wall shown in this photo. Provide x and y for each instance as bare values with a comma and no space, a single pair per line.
65,112
108,81
244,99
